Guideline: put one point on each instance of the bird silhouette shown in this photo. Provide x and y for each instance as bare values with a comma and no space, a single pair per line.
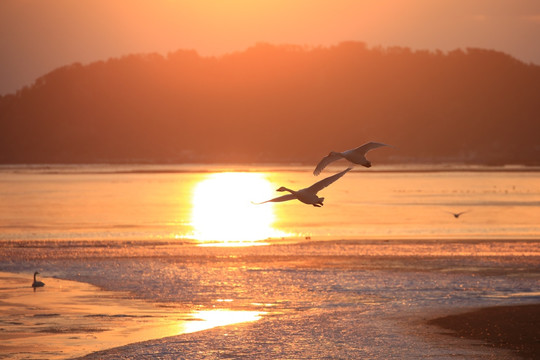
356,156
309,194
36,283
457,215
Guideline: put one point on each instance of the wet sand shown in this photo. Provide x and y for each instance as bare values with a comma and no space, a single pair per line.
512,327
66,319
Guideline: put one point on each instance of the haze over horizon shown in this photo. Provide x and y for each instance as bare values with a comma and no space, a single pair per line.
38,37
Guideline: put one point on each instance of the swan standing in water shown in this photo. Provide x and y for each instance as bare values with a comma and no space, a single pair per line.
36,283
309,194
356,156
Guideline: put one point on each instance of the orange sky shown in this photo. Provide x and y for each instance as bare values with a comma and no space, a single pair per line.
37,36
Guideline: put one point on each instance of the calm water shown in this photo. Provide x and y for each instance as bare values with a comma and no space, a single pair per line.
172,203
393,255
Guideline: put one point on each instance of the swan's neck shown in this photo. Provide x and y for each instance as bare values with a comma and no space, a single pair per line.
289,190
34,277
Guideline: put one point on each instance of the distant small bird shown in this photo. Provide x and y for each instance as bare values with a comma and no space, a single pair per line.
457,215
36,283
356,156
309,194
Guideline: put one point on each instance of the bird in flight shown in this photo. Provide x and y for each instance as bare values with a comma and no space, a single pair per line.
457,215
309,194
356,156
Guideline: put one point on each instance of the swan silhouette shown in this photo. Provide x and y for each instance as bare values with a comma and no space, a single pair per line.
356,156
36,283
309,194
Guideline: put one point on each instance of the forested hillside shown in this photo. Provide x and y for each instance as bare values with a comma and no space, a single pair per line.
279,104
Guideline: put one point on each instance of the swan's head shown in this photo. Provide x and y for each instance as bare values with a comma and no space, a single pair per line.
283,188
36,273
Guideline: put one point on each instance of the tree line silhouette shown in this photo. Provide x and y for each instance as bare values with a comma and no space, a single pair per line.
279,104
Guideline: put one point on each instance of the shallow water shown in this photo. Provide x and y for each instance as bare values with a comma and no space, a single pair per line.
337,299
67,318
396,259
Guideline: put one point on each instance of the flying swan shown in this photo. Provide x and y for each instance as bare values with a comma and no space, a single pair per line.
309,194
356,156
36,283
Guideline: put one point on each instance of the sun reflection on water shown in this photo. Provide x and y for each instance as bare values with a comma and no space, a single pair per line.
223,212
207,319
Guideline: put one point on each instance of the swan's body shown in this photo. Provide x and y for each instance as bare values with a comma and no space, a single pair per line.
36,283
309,194
356,156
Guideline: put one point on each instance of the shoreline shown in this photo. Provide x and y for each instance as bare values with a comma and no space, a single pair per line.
306,293
68,319
513,327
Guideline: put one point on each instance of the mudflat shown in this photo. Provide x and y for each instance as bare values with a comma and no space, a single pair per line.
511,327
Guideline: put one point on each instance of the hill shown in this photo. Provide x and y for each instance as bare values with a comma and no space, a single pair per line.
279,104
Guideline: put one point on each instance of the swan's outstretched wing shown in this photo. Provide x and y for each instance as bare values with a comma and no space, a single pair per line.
278,199
368,146
318,186
325,161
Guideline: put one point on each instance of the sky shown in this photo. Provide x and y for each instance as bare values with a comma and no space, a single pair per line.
38,36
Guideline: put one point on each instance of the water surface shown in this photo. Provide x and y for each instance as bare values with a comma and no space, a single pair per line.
356,278
214,204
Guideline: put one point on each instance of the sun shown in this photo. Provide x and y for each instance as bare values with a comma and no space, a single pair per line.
223,212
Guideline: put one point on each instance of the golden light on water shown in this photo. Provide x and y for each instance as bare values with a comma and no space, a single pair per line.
223,211
208,319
